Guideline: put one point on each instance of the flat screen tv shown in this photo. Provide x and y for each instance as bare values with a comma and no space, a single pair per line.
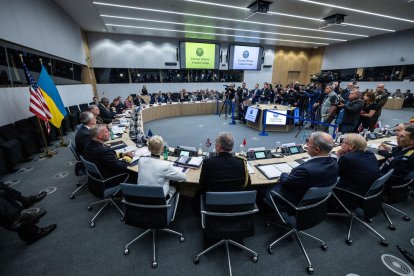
245,57
194,55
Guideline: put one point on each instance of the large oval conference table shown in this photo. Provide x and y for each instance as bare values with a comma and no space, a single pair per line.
156,112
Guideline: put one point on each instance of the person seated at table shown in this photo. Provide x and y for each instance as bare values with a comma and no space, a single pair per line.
96,112
157,172
104,157
320,170
224,167
358,167
116,106
169,99
401,159
138,101
105,112
129,102
15,216
82,136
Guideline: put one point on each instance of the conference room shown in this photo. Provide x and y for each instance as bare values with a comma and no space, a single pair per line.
235,98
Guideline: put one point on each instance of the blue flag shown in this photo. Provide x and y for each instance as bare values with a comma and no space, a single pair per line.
150,133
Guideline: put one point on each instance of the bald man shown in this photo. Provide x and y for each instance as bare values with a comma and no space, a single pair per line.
320,170
381,98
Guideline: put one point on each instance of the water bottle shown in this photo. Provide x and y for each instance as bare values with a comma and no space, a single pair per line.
165,152
200,150
112,134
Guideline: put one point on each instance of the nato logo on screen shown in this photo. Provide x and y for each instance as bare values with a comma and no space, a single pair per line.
246,54
275,115
199,52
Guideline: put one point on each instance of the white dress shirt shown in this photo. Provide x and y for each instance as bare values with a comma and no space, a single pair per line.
157,172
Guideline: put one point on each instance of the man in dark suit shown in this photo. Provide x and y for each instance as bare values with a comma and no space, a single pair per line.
223,167
82,136
256,93
358,167
104,111
319,171
103,156
15,217
400,159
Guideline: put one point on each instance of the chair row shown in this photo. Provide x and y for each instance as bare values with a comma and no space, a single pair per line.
227,217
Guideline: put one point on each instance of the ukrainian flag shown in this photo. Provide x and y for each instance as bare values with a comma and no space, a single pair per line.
52,98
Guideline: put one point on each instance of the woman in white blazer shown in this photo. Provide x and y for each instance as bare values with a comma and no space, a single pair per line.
154,171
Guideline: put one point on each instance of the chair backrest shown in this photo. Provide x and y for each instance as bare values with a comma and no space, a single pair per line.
146,206
378,184
225,185
399,193
74,109
229,214
84,107
312,208
92,169
72,147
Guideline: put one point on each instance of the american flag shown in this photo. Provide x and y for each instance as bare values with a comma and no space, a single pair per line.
38,104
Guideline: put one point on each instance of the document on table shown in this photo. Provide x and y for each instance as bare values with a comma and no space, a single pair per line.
250,168
126,149
270,171
283,167
195,161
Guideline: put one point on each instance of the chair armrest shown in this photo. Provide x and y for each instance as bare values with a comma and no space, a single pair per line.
409,181
126,175
313,205
282,198
359,196
175,198
144,205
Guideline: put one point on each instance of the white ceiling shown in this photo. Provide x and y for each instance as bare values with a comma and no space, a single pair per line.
230,24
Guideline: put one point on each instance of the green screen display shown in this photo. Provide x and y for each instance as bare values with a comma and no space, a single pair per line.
199,55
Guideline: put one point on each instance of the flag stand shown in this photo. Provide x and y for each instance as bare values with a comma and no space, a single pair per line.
62,141
47,152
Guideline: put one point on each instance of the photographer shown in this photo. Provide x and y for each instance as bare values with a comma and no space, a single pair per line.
266,93
352,110
313,93
229,94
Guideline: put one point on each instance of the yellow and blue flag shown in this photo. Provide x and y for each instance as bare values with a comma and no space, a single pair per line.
52,98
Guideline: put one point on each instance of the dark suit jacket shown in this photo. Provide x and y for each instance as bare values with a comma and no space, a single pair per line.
223,167
105,114
81,139
358,170
401,160
317,172
104,158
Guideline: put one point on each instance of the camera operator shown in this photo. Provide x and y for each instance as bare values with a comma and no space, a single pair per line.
313,93
229,96
352,110
266,92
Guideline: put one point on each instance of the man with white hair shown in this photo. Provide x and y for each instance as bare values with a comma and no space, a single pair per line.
329,107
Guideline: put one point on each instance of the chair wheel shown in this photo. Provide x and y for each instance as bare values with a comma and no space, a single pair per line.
154,265
391,227
126,251
348,241
384,243
182,239
122,218
196,260
92,225
255,259
268,223
90,208
72,197
310,270
324,246
406,218
78,184
270,250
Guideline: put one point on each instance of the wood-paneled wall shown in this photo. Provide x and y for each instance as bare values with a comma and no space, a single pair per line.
303,60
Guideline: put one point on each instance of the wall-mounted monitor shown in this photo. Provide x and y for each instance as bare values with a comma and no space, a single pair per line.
194,55
276,119
245,57
251,114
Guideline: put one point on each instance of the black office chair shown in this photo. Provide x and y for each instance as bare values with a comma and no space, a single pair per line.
103,188
147,208
310,211
83,107
226,216
79,170
367,206
395,194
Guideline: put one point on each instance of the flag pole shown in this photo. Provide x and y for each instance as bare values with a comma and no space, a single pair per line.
47,152
62,142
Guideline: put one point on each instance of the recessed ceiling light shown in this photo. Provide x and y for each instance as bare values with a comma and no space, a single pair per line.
355,10
225,19
215,34
284,14
367,27
215,27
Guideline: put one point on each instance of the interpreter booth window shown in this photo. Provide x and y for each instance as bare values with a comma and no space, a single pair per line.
62,72
231,76
174,75
77,73
408,73
203,75
111,75
5,79
347,74
145,75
